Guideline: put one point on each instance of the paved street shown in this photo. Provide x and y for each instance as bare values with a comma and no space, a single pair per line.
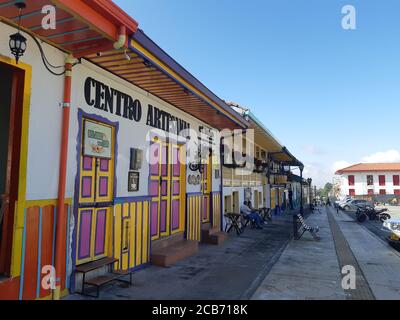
310,270
269,265
233,270
376,226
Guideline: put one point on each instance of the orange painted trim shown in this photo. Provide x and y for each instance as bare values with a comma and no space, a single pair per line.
98,16
9,289
114,13
61,216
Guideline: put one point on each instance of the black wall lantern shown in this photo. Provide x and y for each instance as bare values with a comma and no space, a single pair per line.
197,165
18,41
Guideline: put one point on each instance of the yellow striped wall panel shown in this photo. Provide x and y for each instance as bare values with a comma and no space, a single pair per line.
193,217
131,234
216,209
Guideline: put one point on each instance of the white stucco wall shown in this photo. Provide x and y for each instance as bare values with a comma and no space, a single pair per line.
44,119
361,187
131,134
46,116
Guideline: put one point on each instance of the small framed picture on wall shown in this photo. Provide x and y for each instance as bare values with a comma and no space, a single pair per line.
133,181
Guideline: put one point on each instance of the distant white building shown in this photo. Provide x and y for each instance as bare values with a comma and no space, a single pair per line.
370,179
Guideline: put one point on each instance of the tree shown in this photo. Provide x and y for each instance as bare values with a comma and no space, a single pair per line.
325,191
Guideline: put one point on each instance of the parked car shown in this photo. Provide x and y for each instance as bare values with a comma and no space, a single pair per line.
341,203
394,226
354,204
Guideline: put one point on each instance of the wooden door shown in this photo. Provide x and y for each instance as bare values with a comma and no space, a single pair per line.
178,188
235,204
96,194
11,96
206,188
160,189
166,189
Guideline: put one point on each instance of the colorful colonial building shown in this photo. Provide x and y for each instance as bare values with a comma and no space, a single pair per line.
263,178
109,148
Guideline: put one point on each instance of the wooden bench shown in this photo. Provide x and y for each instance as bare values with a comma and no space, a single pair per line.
313,230
233,223
101,281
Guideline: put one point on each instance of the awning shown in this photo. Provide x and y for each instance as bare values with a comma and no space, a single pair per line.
266,140
81,25
86,28
286,158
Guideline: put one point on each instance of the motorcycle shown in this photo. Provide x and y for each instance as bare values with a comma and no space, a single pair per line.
373,214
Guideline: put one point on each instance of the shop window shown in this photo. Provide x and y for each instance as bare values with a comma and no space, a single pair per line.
370,180
382,180
382,191
351,180
370,191
397,192
352,192
396,180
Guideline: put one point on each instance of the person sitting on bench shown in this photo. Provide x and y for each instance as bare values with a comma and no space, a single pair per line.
249,204
252,215
257,211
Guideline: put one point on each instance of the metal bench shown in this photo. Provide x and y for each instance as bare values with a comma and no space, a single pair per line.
305,227
103,280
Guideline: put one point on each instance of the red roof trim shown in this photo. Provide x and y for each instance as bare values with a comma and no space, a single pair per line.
370,167
102,15
114,13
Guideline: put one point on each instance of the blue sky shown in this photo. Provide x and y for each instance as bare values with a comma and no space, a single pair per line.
330,95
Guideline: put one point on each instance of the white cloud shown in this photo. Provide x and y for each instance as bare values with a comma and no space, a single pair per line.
386,156
319,173
312,149
340,165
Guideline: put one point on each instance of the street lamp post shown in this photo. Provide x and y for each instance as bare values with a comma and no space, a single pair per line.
301,191
295,222
310,197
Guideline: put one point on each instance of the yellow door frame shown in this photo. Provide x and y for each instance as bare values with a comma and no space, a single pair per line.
169,179
207,188
95,174
16,257
167,197
182,183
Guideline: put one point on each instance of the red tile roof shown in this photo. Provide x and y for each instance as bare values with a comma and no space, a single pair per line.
362,167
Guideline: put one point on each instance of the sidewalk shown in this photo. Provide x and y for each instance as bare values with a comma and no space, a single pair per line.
311,270
231,271
379,262
306,270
